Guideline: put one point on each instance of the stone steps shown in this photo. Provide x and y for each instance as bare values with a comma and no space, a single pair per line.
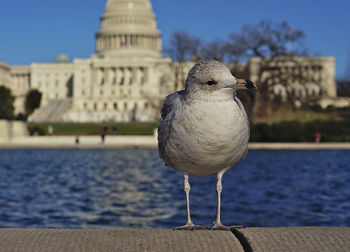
51,112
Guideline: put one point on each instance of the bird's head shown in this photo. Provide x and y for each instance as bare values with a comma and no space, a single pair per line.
212,77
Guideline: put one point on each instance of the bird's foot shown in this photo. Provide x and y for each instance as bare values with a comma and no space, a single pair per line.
220,226
191,226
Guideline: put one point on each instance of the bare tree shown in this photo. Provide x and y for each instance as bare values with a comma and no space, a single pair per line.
343,84
274,45
215,50
343,87
267,40
182,47
347,67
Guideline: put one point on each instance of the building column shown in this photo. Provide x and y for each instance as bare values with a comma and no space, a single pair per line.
142,41
104,43
98,44
124,40
113,42
133,73
132,40
159,44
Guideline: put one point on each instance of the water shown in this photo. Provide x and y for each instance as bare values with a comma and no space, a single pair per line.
132,188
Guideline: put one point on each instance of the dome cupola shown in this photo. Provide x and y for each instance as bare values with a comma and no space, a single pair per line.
128,27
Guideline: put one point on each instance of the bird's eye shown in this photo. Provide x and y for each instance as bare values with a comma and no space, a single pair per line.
211,82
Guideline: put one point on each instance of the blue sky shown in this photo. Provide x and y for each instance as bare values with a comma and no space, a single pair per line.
38,30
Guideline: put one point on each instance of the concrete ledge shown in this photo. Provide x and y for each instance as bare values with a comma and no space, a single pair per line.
137,142
119,239
126,239
84,142
295,239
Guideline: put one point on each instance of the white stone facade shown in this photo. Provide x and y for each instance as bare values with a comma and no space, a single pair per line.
301,77
117,89
5,74
53,80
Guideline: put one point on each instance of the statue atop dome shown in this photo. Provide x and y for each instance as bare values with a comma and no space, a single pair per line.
129,4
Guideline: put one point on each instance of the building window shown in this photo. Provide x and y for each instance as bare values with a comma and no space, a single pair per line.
105,106
85,105
115,105
146,105
95,106
125,106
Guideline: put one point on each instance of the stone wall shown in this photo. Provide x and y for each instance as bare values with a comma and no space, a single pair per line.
12,129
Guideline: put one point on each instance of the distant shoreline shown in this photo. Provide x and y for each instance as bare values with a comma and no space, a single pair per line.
118,142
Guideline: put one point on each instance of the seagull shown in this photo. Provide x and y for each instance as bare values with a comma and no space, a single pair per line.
204,129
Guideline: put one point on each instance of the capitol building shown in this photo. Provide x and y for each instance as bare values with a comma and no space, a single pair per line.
127,77
122,82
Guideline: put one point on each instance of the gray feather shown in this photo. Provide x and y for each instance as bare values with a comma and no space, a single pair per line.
167,114
171,102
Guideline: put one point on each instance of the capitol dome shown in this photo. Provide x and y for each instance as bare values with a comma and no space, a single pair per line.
128,27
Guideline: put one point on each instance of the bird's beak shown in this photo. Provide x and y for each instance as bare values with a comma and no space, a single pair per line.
244,84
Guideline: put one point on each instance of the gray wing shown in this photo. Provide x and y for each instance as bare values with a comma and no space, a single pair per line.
241,106
171,102
167,113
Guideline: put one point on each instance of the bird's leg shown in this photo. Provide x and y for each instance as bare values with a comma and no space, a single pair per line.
217,223
187,189
189,225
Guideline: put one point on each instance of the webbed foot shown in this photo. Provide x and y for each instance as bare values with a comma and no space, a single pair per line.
223,227
191,227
